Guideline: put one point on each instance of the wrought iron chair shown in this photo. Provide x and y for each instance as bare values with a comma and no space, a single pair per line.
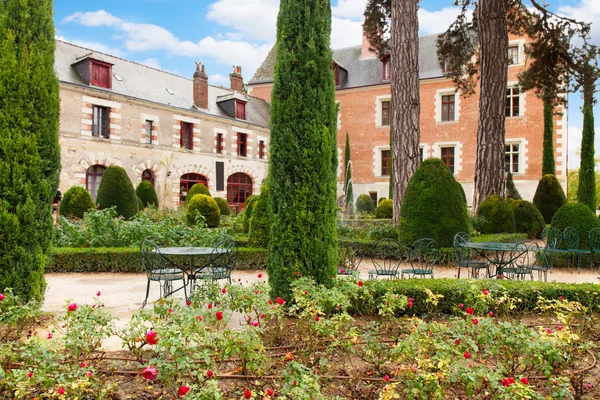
523,259
423,255
541,265
594,245
571,238
159,269
553,238
464,260
351,255
387,257
223,258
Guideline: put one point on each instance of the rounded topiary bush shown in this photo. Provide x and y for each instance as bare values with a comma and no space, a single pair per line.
497,215
260,223
76,202
250,203
364,204
198,188
549,197
380,200
140,203
205,206
145,191
462,191
528,219
116,190
433,205
223,206
578,216
385,209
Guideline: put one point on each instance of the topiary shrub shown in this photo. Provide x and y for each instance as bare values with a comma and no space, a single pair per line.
385,209
145,191
198,188
250,203
116,190
578,216
260,225
223,206
528,219
433,205
140,203
462,191
205,206
380,200
76,202
549,197
498,215
364,204
511,189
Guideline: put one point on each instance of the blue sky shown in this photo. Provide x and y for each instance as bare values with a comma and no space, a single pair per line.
172,34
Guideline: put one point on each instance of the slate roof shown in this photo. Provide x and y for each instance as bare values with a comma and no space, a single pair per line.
151,84
363,72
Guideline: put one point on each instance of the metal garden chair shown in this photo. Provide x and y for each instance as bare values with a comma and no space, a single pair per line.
553,238
571,238
541,265
223,258
351,255
387,257
594,245
423,255
523,257
159,269
463,257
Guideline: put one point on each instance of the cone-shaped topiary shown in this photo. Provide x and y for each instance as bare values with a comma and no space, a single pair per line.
364,204
260,224
528,219
198,188
116,190
348,191
433,205
145,191
76,202
248,208
140,203
462,191
549,197
498,216
385,209
586,191
511,189
223,206
205,206
578,216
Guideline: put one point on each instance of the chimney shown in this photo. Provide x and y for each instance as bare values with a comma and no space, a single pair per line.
200,87
365,52
236,80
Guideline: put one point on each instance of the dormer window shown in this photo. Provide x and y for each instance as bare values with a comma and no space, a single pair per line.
101,74
386,70
240,109
337,75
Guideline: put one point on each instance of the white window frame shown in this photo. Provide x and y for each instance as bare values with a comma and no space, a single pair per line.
522,154
426,150
155,120
377,160
437,152
379,110
515,85
438,105
520,44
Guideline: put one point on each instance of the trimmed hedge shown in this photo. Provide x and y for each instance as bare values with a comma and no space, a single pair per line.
127,259
549,197
116,190
198,188
364,204
205,206
76,202
146,192
528,219
497,214
385,209
223,206
578,216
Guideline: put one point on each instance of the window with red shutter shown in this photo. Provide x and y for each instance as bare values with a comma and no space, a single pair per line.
187,136
240,110
261,149
242,142
219,143
101,75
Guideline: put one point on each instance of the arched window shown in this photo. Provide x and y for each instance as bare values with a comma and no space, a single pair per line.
189,180
93,177
239,188
147,175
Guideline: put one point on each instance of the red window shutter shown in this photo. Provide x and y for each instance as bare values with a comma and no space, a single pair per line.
240,110
101,75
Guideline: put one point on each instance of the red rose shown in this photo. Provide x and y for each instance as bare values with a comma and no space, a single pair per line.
280,301
270,392
561,298
188,303
259,276
61,390
469,311
98,293
457,341
525,381
467,354
89,374
247,394
224,290
49,336
360,283
485,292
183,390
461,305
199,318
386,378
149,373
508,381
72,307
219,315
270,301
84,364
317,318
29,374
210,374
151,337
492,314
209,306
475,321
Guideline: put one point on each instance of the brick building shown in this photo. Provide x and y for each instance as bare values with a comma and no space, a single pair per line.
448,119
160,127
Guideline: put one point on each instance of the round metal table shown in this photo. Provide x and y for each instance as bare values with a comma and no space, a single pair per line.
497,254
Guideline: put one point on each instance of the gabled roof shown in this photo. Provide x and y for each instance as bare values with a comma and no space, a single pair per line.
363,72
151,84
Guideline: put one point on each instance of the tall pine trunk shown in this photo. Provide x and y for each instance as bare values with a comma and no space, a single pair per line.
303,159
405,97
493,39
548,165
586,191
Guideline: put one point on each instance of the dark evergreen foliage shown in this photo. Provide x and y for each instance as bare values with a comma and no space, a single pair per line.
260,224
207,207
497,214
364,204
548,164
385,209
145,191
29,150
223,206
462,191
116,190
303,161
578,216
586,191
198,188
528,219
433,205
549,197
76,202
250,203
140,203
511,189
348,192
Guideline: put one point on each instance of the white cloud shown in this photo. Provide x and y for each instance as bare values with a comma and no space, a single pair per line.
94,18
218,79
93,46
151,62
587,11
257,19
574,151
345,32
436,21
353,9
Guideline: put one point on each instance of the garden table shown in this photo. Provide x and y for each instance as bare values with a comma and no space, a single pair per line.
498,254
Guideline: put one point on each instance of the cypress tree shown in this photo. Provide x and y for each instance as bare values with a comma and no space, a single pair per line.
548,165
586,191
511,189
391,183
303,160
348,193
29,150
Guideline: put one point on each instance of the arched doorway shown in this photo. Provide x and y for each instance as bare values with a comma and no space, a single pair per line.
93,177
148,175
187,181
239,188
